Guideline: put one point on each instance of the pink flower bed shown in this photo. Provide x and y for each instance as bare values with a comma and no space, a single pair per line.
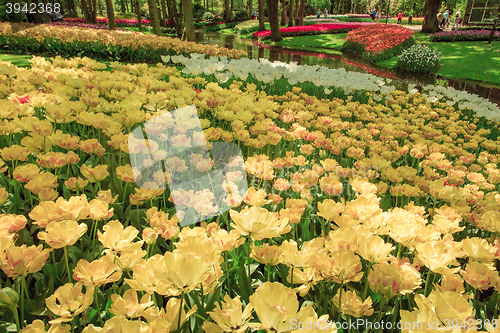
315,29
105,21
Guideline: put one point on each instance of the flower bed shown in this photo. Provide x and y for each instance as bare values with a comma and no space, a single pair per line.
378,42
463,35
100,20
103,44
82,25
399,213
315,29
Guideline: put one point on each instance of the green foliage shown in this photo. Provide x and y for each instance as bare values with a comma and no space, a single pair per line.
241,15
94,50
208,17
11,17
198,11
419,59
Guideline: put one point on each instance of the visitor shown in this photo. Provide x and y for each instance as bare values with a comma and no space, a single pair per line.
373,14
440,18
254,17
400,17
379,14
326,12
318,14
457,20
447,19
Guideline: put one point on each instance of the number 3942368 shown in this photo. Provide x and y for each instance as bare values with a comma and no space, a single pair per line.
32,8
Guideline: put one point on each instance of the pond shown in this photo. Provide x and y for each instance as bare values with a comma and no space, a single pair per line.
256,50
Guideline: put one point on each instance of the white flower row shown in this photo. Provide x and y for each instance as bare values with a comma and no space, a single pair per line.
328,78
266,72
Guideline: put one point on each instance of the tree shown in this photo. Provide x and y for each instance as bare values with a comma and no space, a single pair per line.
72,8
272,11
153,17
138,13
431,10
111,14
227,10
250,7
86,11
261,15
188,19
290,13
496,23
37,16
301,11
163,22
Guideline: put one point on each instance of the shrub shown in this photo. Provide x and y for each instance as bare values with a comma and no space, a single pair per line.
198,11
241,15
462,35
208,17
378,42
419,59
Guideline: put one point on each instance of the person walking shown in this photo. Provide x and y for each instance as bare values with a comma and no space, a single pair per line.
318,14
440,18
326,12
400,17
446,19
373,14
457,20
378,16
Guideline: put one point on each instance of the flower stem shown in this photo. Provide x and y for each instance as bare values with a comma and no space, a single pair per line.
67,263
180,313
97,306
16,317
248,261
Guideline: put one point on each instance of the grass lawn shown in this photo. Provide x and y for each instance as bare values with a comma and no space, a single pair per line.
463,60
327,42
475,61
17,60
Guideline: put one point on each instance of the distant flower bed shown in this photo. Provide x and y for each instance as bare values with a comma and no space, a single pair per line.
83,25
462,35
321,19
103,44
105,21
378,42
316,29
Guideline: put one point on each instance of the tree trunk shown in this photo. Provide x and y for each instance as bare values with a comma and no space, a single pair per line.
132,6
72,9
301,11
122,3
188,20
138,13
111,14
85,10
37,16
93,13
153,17
296,12
232,7
261,15
170,11
431,10
250,7
272,11
290,13
338,7
283,13
164,11
227,10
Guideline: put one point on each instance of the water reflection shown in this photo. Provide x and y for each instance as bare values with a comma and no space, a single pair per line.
256,50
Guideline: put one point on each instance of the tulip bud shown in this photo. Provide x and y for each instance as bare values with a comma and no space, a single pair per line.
8,297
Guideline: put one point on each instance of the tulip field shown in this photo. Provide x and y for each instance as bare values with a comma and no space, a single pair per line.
366,208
